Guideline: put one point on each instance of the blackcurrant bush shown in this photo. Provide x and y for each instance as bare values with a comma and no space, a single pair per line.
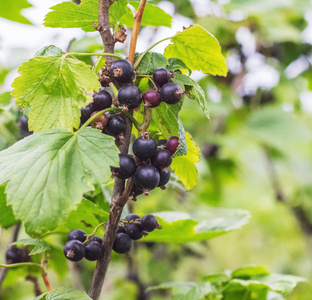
129,96
16,255
74,250
161,76
144,147
171,93
96,239
122,243
115,126
162,159
149,223
122,71
94,251
147,177
102,100
135,231
77,234
151,98
127,167
172,144
86,113
161,143
121,229
131,217
99,122
164,177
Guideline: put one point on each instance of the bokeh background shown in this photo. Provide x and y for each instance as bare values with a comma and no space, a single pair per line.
256,150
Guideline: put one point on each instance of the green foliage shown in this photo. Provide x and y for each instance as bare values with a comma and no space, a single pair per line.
11,10
35,168
64,294
150,62
40,246
7,218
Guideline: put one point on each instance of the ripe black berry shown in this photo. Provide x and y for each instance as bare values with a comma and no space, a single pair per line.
23,122
77,234
99,122
161,143
144,147
164,177
136,191
135,231
102,100
171,93
131,217
122,71
122,243
74,250
147,177
162,159
115,126
149,223
172,144
94,251
16,255
129,96
121,229
161,76
151,98
86,113
96,239
127,166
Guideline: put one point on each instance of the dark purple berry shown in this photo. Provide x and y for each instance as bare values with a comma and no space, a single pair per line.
99,122
122,243
127,167
161,76
164,177
144,147
147,177
129,96
135,231
172,144
74,250
23,122
122,71
151,98
16,255
115,126
86,113
77,234
131,217
171,93
162,159
94,251
96,239
149,223
102,100
161,143
136,191
121,229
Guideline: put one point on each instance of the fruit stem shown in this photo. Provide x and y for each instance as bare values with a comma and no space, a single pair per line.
149,77
136,124
92,54
146,120
93,232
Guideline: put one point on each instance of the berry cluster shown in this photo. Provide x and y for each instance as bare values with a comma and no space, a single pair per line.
80,246
16,255
133,228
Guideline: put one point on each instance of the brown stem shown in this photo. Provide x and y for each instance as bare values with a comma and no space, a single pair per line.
146,120
135,30
34,280
47,282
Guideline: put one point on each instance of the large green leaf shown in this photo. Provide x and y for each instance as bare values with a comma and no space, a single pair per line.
11,10
71,15
55,87
39,245
199,50
150,62
7,218
181,227
64,294
47,173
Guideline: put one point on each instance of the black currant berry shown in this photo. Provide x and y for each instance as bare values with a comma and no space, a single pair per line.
131,217
144,147
99,122
149,223
135,231
74,250
77,234
96,239
162,159
115,126
172,144
86,113
16,255
171,93
94,251
129,96
23,123
147,177
122,243
121,229
127,167
161,76
122,71
136,191
151,98
161,143
164,177
102,100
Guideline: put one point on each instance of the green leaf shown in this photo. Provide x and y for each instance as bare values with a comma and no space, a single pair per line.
7,218
55,88
149,19
50,50
64,294
150,62
199,50
179,227
176,64
71,15
248,272
39,245
184,166
11,10
47,173
5,98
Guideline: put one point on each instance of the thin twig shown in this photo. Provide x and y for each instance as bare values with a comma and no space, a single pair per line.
147,116
34,280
